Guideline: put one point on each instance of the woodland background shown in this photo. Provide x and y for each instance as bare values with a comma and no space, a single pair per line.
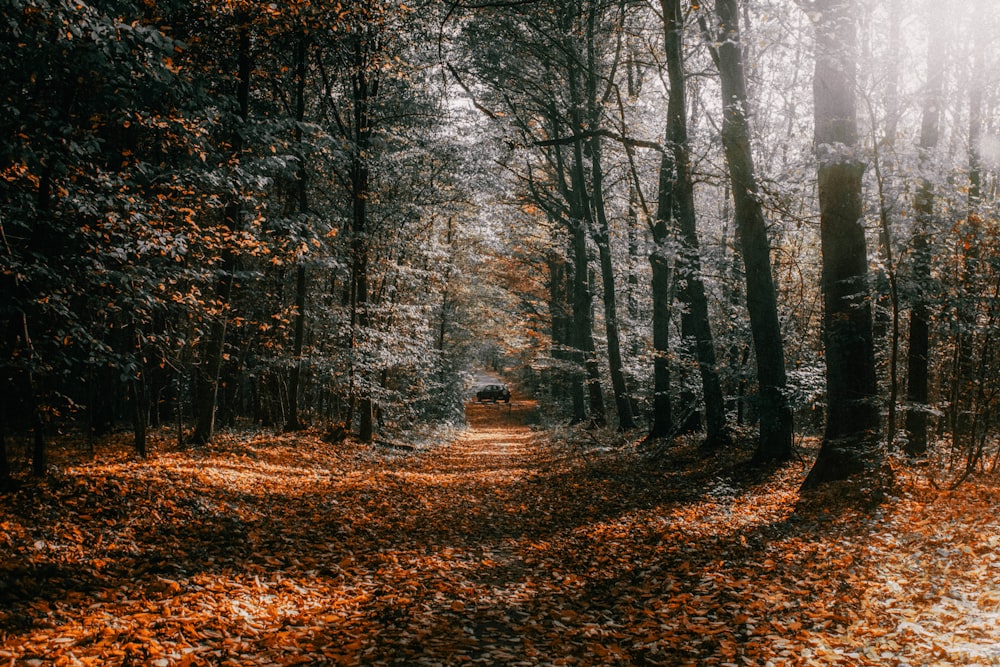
271,215
728,254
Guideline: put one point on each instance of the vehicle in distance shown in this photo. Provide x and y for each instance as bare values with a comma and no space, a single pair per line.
494,392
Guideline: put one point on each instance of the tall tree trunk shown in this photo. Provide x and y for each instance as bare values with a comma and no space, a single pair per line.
207,374
632,278
602,236
601,230
39,453
717,432
583,325
775,440
138,395
963,383
33,393
446,303
577,323
302,207
559,310
919,334
364,83
850,442
577,311
140,419
662,421
583,220
886,308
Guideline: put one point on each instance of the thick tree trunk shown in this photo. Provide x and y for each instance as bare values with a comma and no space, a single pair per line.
689,268
575,357
567,318
581,214
207,374
850,443
775,441
917,395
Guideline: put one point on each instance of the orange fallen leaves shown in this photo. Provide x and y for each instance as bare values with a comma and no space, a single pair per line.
506,546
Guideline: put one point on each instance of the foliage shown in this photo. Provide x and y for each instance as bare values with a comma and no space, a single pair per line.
133,188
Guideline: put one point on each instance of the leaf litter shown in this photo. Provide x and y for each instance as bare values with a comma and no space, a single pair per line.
505,544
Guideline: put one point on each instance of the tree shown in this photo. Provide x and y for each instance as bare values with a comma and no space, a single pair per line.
600,229
775,438
659,259
917,394
301,197
849,445
681,205
85,260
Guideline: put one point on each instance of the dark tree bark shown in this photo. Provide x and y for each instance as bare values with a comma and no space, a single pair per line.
560,314
662,421
364,84
689,264
964,372
302,206
601,232
294,423
583,324
602,237
4,459
138,394
850,443
775,440
919,335
207,374
581,215
140,418
579,318
591,213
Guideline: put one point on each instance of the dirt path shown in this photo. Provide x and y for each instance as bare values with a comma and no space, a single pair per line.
508,549
507,546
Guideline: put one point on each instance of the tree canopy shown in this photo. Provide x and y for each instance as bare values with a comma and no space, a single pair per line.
319,214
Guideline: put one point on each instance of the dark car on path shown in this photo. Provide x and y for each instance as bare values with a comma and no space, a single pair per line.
494,392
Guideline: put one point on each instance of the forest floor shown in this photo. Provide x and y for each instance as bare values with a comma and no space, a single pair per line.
506,544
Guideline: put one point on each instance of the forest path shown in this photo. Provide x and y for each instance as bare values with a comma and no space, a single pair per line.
509,545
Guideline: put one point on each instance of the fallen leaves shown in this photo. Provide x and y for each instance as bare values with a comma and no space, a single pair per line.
504,546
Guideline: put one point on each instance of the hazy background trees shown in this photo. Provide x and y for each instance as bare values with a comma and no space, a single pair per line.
220,215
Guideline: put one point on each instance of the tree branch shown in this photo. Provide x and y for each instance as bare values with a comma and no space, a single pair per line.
625,141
